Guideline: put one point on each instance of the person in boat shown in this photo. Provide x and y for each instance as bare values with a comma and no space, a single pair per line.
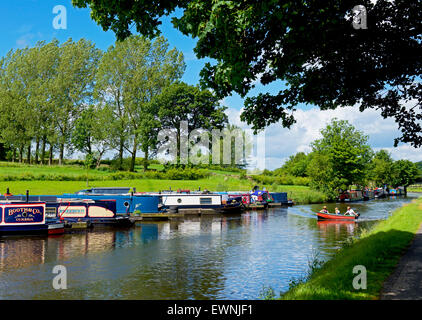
337,211
350,212
324,210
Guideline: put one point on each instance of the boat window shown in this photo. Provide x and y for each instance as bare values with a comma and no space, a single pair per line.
205,200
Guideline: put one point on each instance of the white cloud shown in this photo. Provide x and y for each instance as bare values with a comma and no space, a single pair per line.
282,142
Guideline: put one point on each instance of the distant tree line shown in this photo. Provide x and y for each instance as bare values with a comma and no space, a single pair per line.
57,98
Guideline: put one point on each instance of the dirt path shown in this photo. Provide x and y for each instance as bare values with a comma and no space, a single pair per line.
406,281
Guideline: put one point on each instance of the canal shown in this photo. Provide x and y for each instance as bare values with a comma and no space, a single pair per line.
229,257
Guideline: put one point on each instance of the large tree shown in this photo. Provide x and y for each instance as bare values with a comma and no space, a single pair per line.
16,122
404,173
180,102
310,46
381,170
131,74
340,158
73,86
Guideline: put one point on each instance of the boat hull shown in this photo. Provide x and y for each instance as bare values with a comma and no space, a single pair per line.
23,230
330,216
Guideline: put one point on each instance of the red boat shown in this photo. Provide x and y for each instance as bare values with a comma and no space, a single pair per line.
332,216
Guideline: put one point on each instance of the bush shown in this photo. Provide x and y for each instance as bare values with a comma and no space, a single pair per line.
124,166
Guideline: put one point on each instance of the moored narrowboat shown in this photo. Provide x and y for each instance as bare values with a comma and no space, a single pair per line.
185,199
26,218
350,196
95,212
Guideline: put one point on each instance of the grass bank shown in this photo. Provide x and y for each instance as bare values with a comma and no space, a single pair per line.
379,250
411,189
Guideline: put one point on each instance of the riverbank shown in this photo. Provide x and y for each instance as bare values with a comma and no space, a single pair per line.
379,250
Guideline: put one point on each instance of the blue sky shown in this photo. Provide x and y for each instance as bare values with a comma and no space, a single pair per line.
24,22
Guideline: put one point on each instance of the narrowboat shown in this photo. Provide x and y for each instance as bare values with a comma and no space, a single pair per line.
127,200
279,198
185,199
257,199
26,218
350,196
396,191
368,195
379,193
232,204
94,212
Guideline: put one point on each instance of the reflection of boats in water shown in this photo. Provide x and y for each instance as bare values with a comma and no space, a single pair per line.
337,226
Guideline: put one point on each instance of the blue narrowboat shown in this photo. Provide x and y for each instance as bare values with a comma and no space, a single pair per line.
26,218
126,202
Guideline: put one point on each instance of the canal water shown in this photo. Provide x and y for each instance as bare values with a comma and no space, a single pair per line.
220,257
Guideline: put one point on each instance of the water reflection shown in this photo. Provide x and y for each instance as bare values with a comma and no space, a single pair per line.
220,257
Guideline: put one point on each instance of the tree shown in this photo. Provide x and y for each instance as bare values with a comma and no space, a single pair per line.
91,134
404,173
323,175
341,157
310,46
381,168
15,124
182,102
131,74
297,164
72,87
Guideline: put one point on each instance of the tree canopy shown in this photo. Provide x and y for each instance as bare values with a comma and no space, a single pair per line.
341,157
310,46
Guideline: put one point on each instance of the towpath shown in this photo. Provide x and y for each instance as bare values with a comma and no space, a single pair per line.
405,283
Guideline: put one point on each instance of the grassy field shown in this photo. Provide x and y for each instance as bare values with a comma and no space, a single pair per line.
378,250
414,189
40,179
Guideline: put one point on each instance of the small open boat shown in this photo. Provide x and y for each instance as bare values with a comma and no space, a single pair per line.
322,216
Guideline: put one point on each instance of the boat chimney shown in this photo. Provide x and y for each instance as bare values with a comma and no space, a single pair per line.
27,195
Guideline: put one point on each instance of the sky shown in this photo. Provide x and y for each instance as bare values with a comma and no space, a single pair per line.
25,22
